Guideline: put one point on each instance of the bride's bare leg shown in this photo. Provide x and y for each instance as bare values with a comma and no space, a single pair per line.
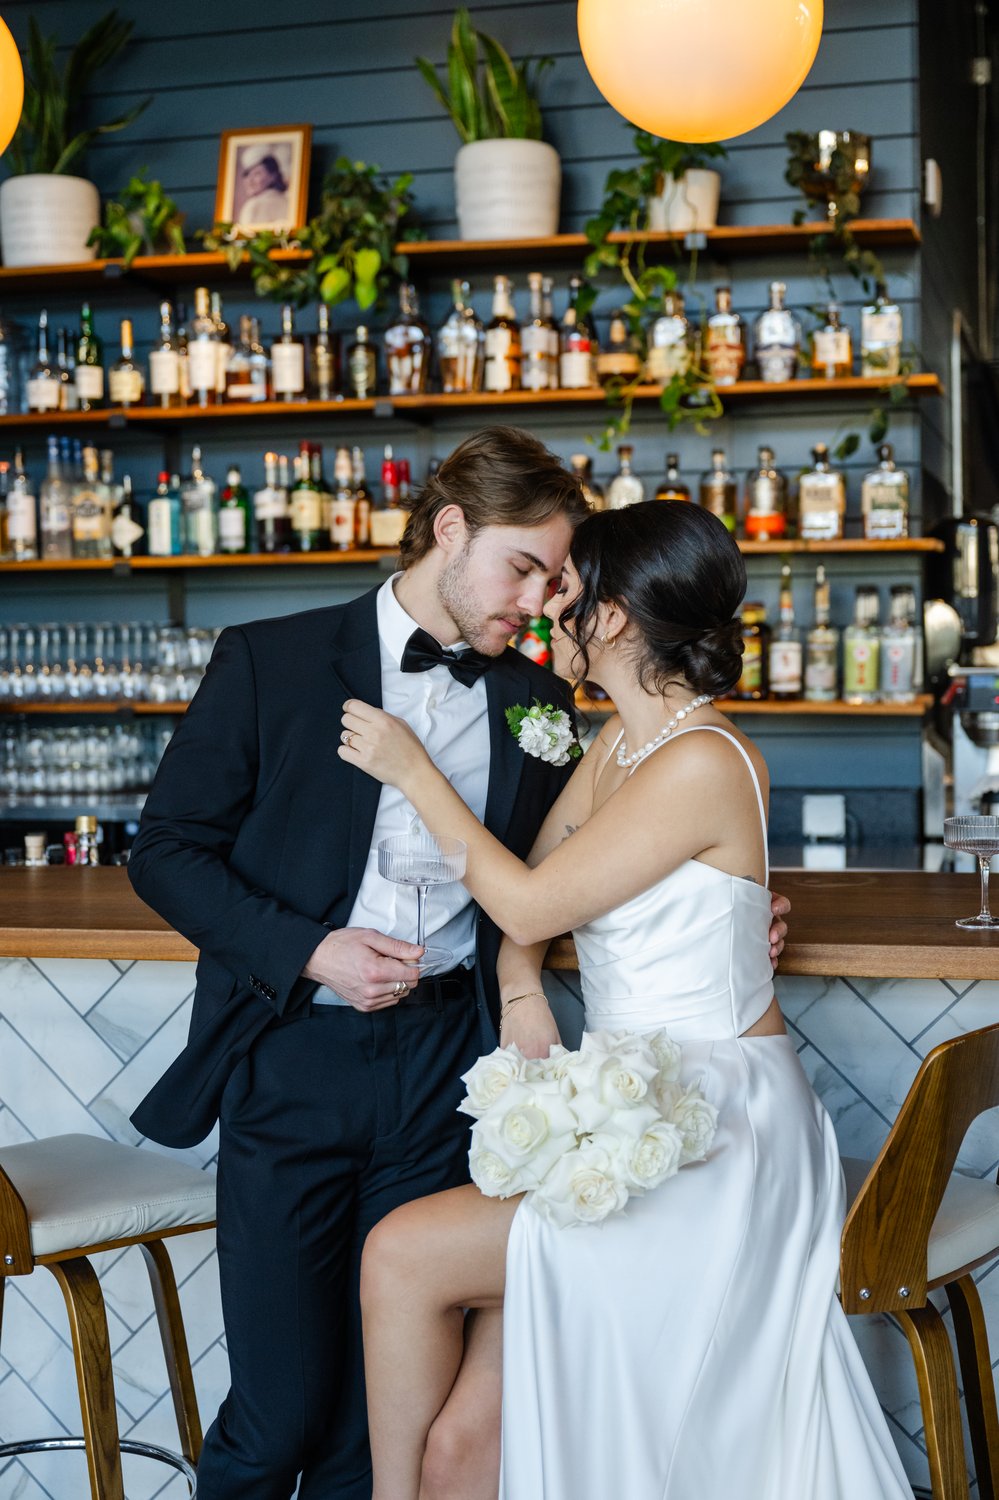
422,1266
462,1458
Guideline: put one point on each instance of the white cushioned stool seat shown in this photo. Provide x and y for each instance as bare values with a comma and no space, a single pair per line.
966,1227
80,1190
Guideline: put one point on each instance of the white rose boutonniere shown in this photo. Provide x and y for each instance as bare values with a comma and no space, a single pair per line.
544,732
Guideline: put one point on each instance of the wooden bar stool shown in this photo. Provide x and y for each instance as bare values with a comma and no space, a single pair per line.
65,1198
914,1225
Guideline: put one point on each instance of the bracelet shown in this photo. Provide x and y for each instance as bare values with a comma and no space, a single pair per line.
527,995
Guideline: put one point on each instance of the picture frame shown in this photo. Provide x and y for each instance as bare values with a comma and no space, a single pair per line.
263,178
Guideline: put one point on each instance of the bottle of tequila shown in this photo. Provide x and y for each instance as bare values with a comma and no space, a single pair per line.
861,649
407,347
754,682
577,364
884,498
625,488
880,335
503,348
786,656
777,339
672,486
821,499
832,347
766,500
460,345
725,341
821,647
670,342
718,491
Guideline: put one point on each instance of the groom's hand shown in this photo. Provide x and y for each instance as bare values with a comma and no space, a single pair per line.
364,967
779,908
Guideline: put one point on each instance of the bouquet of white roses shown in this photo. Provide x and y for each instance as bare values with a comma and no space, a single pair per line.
583,1132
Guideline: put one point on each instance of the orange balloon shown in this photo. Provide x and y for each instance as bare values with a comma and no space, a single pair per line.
699,70
11,86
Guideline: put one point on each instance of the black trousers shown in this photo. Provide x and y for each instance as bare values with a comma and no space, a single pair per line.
333,1120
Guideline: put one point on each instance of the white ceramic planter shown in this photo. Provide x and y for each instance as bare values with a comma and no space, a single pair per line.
690,202
45,219
507,190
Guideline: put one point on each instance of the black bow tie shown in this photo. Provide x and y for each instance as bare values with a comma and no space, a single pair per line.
423,652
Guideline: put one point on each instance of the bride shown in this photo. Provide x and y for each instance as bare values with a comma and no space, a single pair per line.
691,1346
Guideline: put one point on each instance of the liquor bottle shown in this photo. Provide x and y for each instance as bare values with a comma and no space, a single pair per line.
202,352
323,489
126,383
5,552
363,502
670,342
899,648
577,364
821,499
625,488
223,352
270,509
861,649
128,535
185,367
725,341
66,365
582,466
164,518
766,500
672,486
405,487
199,504
247,371
460,342
91,521
821,647
619,359
407,347
880,335
388,520
43,377
718,491
786,656
322,359
343,508
22,515
502,368
288,360
754,682
164,363
536,369
554,333
306,506
54,508
10,369
535,640
362,366
234,514
89,372
884,498
832,347
776,339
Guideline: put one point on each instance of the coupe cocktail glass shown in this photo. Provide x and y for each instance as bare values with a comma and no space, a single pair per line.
980,837
418,859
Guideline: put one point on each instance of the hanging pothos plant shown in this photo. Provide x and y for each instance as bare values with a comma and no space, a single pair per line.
352,240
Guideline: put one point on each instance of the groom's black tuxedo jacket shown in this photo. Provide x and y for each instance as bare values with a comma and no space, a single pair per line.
255,834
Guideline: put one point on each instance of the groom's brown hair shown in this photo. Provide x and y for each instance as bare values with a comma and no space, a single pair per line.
501,476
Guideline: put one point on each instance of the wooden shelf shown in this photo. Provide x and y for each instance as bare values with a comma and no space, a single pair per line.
726,240
854,544
838,709
358,555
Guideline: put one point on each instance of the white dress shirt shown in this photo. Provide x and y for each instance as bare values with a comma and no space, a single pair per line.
450,721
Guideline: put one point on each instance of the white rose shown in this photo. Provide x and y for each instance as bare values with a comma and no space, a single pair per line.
490,1173
489,1077
583,1187
653,1155
666,1053
696,1121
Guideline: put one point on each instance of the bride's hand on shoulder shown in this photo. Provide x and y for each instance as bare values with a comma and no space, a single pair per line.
380,744
530,1025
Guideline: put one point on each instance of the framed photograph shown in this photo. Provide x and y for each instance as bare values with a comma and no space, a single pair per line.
263,178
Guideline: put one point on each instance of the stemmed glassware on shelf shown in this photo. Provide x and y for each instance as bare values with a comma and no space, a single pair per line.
980,837
416,858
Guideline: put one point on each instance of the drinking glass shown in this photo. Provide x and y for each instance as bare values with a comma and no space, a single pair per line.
417,858
978,836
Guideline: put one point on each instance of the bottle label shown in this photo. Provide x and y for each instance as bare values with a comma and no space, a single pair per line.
43,394
499,360
776,362
881,342
21,517
270,504
160,527
90,382
306,510
126,387
860,667
201,365
164,372
666,360
820,671
232,528
898,661
536,373
785,667
832,347
125,532
387,526
724,356
342,521
883,524
820,526
751,680
288,369
88,518
575,369
764,495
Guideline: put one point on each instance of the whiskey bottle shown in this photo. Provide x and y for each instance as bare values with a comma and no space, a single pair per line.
625,488
619,359
89,372
577,364
164,518
821,499
786,657
777,339
344,504
234,514
199,504
821,647
66,365
22,515
582,466
881,335
43,377
832,347
502,347
460,343
246,372
306,505
766,500
670,342
884,498
164,363
54,508
407,347
725,341
322,360
288,360
270,509
223,350
202,352
128,535
362,366
861,649
672,486
536,369
718,491
754,681
899,648
91,523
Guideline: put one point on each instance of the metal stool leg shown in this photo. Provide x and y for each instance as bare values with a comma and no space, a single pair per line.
78,1445
92,1350
175,1351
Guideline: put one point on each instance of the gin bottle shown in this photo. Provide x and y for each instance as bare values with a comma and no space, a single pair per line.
899,648
861,649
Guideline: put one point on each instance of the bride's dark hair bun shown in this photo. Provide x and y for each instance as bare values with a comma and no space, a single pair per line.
680,576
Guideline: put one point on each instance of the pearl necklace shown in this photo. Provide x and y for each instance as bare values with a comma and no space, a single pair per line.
624,759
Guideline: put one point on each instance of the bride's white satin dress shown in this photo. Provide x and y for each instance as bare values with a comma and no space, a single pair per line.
693,1347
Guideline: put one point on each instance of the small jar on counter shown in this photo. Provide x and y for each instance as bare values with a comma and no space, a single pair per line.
34,851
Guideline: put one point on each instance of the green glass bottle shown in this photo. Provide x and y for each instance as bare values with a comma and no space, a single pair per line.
234,514
89,373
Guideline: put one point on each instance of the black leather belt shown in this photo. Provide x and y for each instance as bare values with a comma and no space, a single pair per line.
438,989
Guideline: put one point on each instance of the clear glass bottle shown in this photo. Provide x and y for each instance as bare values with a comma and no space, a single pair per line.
164,518
625,488
724,341
861,649
363,501
832,347
43,377
55,508
670,349
536,368
777,339
10,368
270,509
502,369
766,500
246,373
754,681
185,366
718,491
235,527
344,503
22,514
407,346
164,363
322,359
582,466
786,653
89,372
91,522
554,333
884,498
362,366
460,344
672,486
821,647
109,489
899,648
619,359
288,360
821,499
128,535
66,365
126,382
577,364
880,335
199,502
306,504
223,351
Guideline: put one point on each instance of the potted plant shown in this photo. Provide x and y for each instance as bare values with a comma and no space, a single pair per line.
507,180
143,219
683,190
46,212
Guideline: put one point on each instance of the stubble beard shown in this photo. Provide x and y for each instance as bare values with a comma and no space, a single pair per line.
458,597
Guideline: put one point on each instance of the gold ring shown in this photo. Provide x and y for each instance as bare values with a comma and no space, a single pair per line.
345,739
400,987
